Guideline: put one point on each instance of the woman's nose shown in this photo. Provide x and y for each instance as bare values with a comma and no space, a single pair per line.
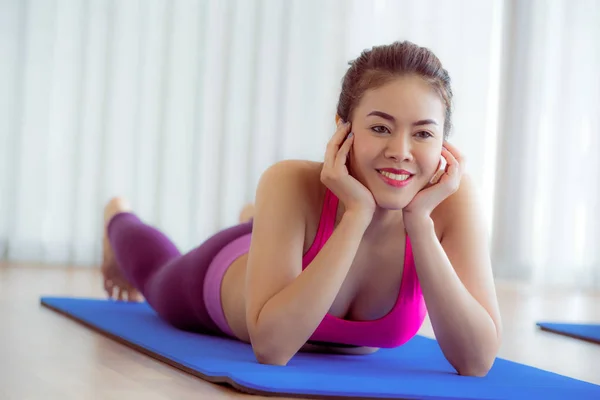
398,148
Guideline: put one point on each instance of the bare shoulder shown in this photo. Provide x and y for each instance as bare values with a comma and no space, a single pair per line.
300,179
296,172
462,204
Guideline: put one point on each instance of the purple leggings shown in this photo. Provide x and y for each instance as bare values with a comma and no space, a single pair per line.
171,283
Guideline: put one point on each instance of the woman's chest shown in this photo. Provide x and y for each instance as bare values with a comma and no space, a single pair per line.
373,283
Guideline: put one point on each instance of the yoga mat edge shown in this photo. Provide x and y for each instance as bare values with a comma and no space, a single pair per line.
555,328
219,380
96,315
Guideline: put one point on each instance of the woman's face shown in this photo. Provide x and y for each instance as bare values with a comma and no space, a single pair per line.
398,140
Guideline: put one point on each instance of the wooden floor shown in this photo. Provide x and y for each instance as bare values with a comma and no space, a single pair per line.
44,355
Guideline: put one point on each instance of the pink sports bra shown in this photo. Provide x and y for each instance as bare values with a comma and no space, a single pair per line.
393,329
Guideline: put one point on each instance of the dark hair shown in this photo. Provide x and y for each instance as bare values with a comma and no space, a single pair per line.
381,64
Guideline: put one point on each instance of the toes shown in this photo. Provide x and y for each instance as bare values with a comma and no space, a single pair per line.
130,295
134,295
120,293
109,288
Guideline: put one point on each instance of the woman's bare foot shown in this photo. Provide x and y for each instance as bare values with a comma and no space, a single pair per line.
247,213
115,283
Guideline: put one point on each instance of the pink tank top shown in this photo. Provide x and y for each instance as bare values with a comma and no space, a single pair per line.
393,329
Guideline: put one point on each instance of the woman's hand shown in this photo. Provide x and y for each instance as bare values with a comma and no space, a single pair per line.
357,199
423,204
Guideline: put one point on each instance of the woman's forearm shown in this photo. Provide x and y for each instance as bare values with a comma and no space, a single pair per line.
290,317
463,328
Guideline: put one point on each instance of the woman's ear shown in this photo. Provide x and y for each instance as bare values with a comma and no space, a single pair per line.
337,119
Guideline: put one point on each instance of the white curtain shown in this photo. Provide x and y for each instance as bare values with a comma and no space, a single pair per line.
547,214
180,105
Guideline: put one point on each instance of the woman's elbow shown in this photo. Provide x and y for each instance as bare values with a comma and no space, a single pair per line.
476,368
268,351
269,355
477,372
274,360
480,362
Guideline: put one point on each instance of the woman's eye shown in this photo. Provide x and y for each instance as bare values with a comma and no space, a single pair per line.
424,134
380,129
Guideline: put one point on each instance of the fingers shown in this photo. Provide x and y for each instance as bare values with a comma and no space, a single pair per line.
453,171
343,128
452,163
454,152
453,156
342,154
334,143
436,177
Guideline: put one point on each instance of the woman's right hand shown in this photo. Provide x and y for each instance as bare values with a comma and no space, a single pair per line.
357,199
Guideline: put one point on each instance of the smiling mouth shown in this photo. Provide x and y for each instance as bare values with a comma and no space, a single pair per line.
396,177
395,180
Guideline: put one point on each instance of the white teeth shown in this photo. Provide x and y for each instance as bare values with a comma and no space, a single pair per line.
395,177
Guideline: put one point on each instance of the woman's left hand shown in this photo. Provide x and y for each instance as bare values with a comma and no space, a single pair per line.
423,204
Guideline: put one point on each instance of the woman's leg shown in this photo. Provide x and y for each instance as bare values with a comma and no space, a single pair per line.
147,260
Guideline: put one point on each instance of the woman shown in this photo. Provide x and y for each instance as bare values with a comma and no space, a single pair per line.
347,255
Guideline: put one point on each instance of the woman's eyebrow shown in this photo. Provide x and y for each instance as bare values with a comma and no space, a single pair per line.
382,115
425,122
392,119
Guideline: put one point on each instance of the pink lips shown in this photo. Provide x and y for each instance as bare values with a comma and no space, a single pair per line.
396,171
393,182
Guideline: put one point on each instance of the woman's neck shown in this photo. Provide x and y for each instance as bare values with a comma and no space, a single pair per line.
385,222
382,224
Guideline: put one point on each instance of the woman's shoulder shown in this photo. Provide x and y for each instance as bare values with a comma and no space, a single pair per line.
294,174
293,188
302,178
295,168
464,200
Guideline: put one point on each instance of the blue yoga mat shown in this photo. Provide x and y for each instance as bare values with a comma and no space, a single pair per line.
417,370
587,332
